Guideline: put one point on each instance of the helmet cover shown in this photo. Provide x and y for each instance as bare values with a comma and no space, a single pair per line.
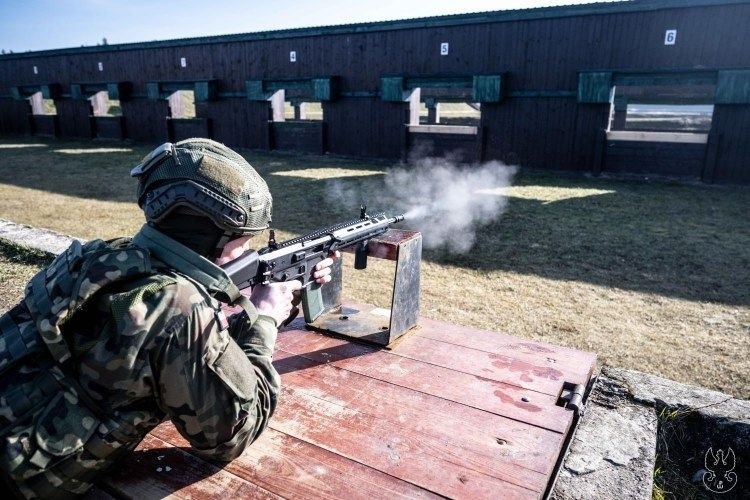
207,177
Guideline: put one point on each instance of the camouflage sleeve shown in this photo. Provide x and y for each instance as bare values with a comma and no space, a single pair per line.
216,381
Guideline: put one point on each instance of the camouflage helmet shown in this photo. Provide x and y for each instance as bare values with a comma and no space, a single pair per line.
207,177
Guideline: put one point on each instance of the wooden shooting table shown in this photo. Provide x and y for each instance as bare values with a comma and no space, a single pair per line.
443,411
448,411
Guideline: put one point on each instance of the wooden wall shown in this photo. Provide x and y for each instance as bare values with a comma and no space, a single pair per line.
14,117
303,136
671,159
75,118
109,127
733,155
366,127
145,120
237,122
539,52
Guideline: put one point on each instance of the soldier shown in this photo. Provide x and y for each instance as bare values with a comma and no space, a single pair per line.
114,337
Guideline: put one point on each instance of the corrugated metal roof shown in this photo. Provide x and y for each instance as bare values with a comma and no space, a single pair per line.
598,8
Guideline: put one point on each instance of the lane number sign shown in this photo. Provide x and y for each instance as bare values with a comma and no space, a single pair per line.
670,37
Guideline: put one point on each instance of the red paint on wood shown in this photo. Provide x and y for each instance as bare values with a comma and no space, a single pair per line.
385,246
489,440
576,365
499,367
432,465
157,469
476,391
293,468
448,411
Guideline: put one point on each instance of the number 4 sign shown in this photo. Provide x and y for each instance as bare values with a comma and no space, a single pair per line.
670,37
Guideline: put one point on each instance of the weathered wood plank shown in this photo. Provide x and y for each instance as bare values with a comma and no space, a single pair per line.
576,365
361,437
498,367
157,469
486,441
477,391
293,468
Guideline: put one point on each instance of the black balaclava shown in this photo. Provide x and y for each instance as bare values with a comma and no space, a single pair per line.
195,231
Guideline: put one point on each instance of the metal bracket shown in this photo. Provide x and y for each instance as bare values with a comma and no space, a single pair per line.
365,321
572,396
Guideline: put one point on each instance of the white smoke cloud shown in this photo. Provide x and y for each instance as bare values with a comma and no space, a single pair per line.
447,202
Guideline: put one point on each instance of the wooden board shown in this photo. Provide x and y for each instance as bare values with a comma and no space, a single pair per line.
660,158
448,411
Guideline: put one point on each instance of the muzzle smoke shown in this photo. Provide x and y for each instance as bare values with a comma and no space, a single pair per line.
446,202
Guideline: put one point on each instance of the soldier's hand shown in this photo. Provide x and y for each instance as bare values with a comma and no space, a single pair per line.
275,299
322,272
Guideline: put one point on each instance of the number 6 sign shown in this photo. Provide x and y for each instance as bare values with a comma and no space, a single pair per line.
670,37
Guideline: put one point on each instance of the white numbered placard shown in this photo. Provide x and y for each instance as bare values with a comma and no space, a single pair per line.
444,49
670,37
36,70
293,56
100,65
183,62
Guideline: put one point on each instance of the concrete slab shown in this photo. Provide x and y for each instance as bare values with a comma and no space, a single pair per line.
44,240
632,417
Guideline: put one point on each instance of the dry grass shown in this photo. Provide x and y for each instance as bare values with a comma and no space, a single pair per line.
653,276
17,266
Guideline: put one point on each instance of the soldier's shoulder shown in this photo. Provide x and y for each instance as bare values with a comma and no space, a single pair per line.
163,294
177,289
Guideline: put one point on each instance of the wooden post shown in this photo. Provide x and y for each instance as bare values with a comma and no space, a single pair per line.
481,142
405,144
99,103
323,137
176,105
170,129
433,111
277,106
414,100
620,113
37,104
599,145
712,154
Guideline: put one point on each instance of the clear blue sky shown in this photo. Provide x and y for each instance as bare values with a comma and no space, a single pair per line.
52,24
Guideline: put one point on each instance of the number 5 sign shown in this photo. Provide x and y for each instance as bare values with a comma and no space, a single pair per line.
670,37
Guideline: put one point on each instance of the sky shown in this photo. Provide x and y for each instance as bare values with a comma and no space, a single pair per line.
54,24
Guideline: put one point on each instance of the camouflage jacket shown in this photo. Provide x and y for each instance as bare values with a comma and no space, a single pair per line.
155,347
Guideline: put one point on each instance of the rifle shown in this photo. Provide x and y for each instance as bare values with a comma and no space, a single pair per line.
295,259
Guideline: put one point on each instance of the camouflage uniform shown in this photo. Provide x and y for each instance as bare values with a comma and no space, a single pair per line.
144,349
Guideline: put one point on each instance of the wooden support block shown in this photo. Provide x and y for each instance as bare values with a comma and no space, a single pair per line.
367,322
386,245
